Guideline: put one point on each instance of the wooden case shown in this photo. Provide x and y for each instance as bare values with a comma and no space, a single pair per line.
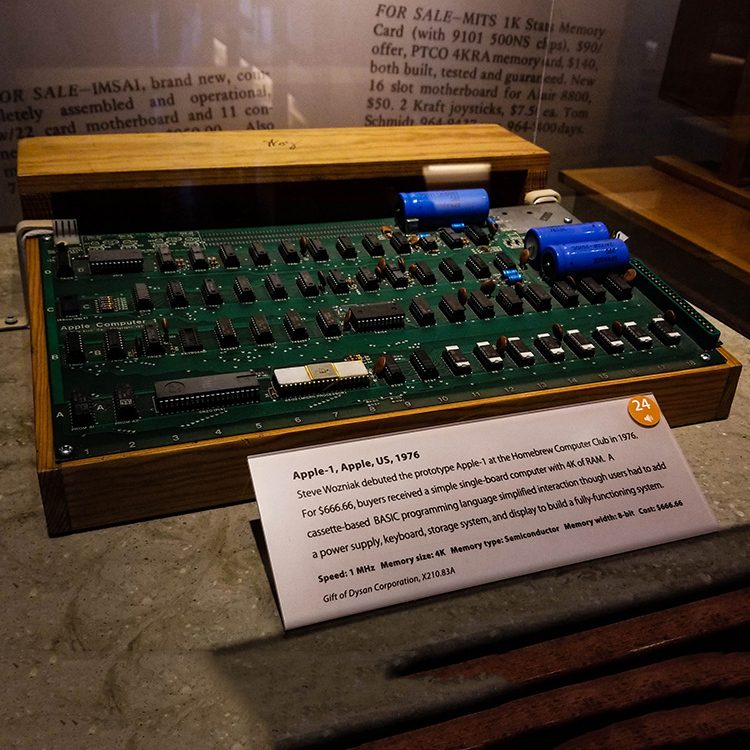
96,492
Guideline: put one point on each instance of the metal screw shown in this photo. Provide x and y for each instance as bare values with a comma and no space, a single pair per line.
11,320
65,451
568,220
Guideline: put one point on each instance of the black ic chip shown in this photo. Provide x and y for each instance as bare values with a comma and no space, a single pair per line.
190,340
379,316
452,308
116,260
372,244
229,256
477,266
295,326
258,254
451,270
423,365
261,330
422,312
328,322
481,304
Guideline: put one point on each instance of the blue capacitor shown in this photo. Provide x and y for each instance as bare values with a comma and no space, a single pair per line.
539,238
511,276
441,208
584,258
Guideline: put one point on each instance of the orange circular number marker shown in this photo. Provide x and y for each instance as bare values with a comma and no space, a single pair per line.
644,410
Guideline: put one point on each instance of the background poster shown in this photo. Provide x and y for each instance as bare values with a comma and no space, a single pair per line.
578,77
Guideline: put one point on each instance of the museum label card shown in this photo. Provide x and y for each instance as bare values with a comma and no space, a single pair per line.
358,525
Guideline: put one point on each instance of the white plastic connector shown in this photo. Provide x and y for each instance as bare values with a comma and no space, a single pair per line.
547,195
455,176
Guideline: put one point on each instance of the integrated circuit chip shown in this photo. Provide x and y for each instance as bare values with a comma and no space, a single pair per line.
379,316
116,260
321,376
123,401
209,391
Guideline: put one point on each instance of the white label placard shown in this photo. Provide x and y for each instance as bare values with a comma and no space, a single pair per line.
365,524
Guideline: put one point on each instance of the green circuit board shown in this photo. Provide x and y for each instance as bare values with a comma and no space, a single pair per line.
170,338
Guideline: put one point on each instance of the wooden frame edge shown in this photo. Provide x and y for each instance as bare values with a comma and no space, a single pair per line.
198,476
48,471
